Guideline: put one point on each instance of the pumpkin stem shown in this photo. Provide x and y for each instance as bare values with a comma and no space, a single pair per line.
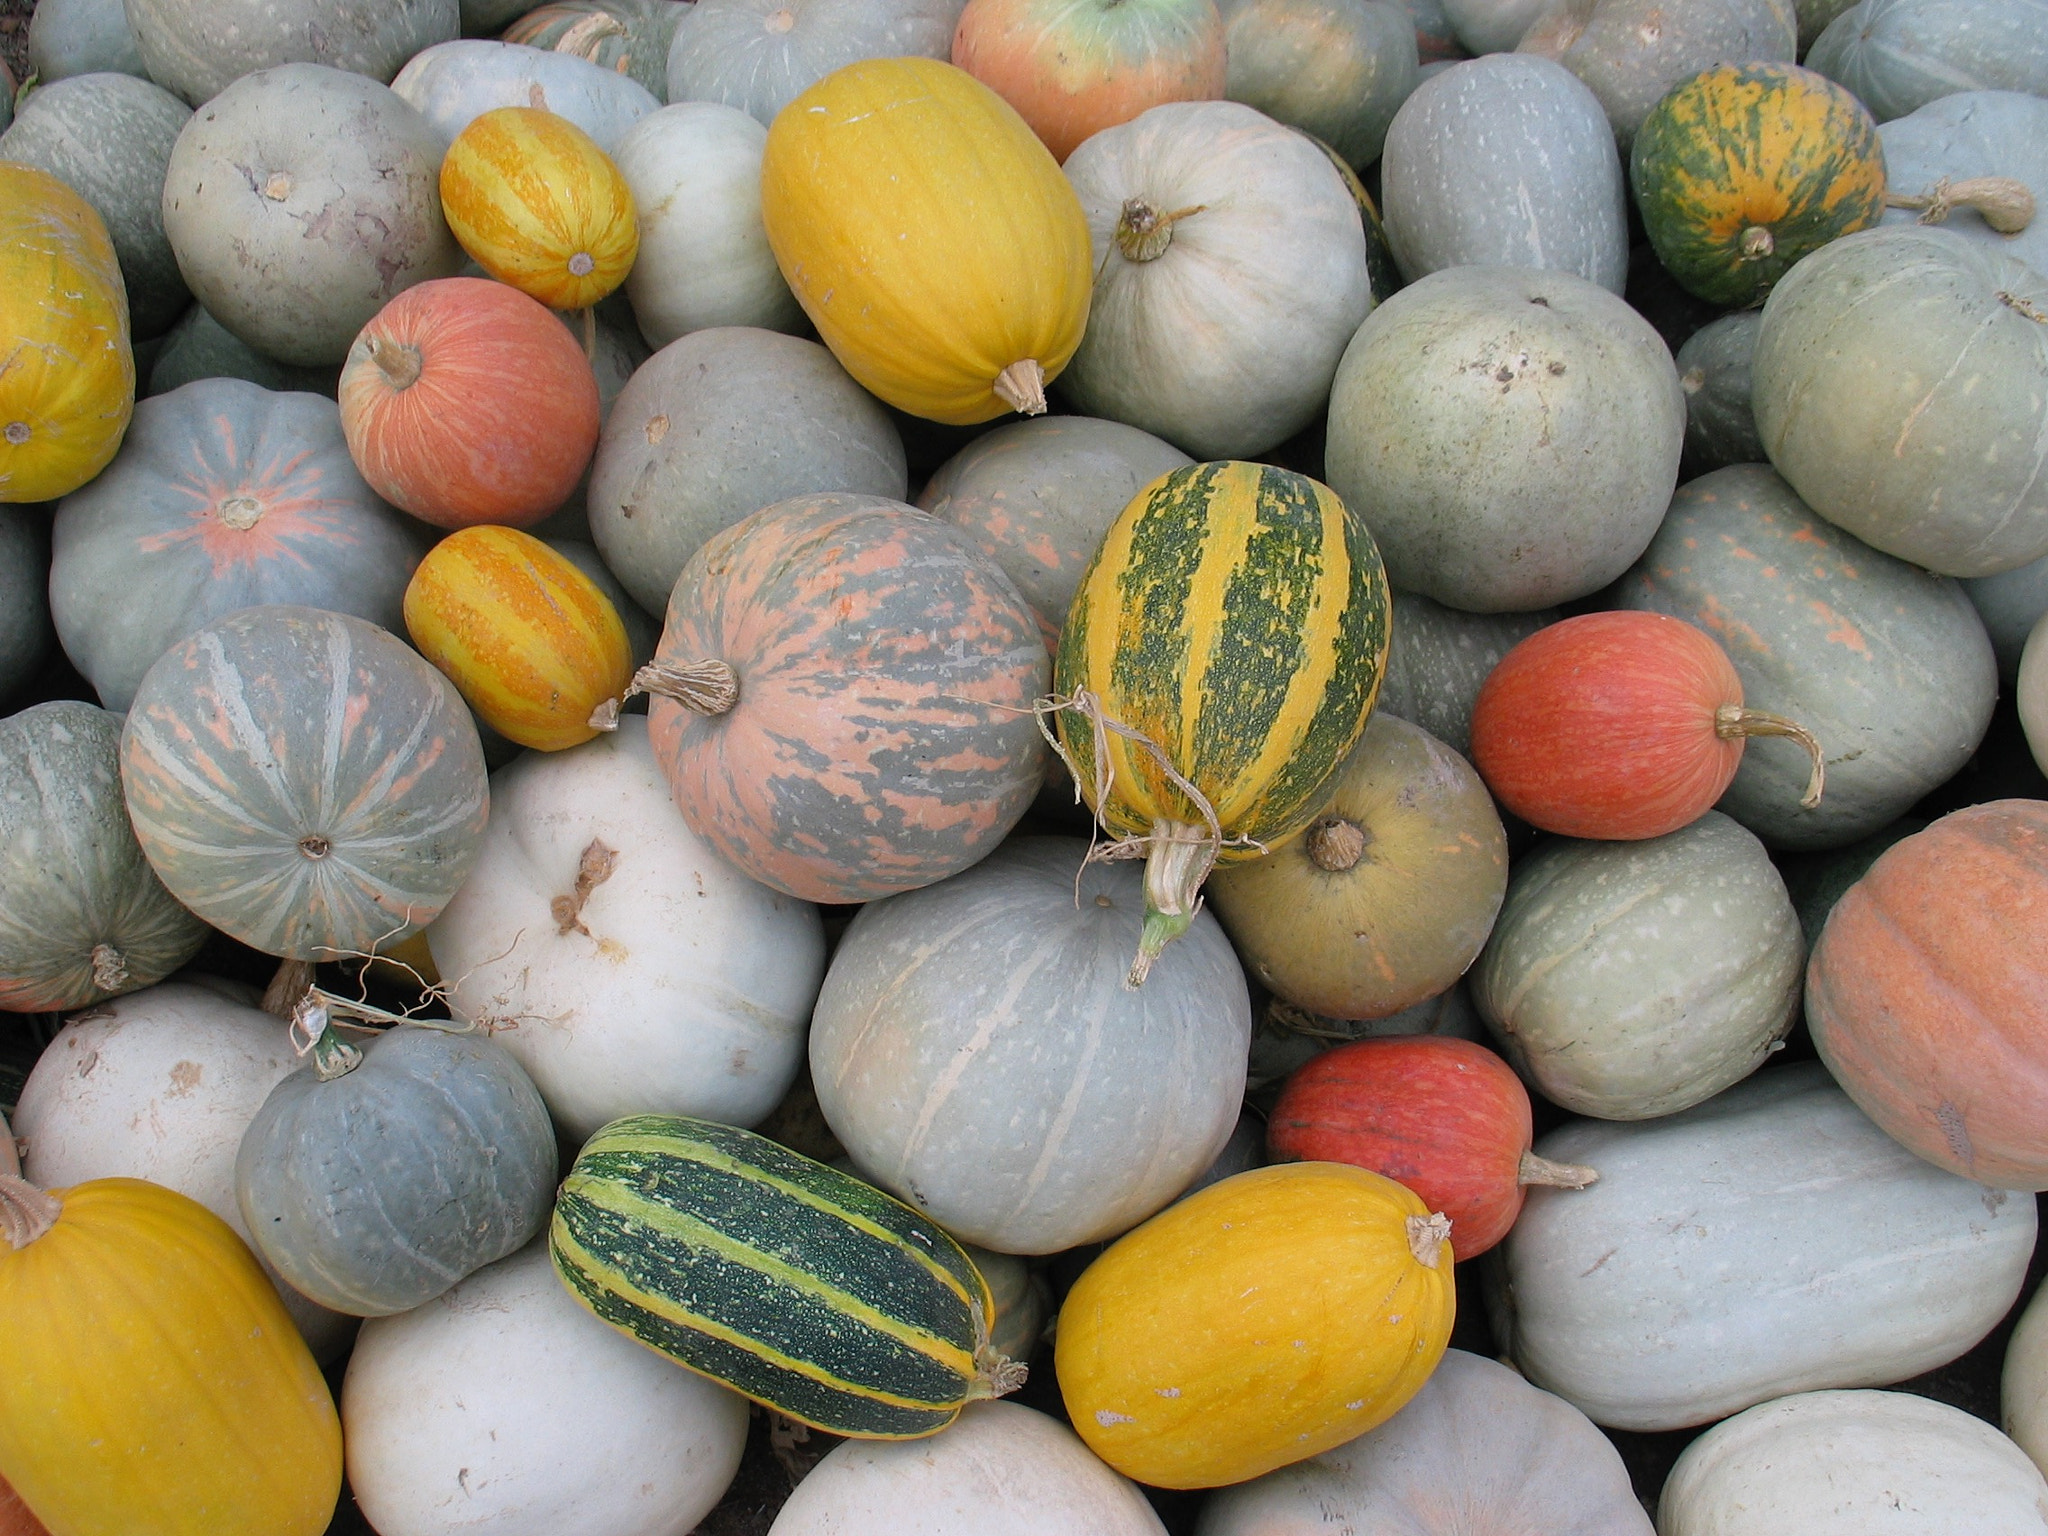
1757,243
1178,859
399,363
313,1032
1732,722
1021,387
1426,1237
109,968
26,1212
2031,311
995,1373
586,37
1143,233
294,979
1541,1170
589,318
1336,844
592,870
2002,202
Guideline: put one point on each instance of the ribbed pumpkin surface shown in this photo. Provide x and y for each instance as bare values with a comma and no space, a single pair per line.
800,1286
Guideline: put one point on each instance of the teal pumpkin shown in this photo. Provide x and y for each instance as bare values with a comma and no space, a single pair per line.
1898,55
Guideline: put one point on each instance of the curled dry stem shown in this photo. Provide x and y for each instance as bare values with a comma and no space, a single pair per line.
1732,722
704,687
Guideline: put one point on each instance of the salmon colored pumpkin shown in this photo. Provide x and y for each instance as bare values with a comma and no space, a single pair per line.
526,637
1072,69
1446,1117
16,1518
1618,725
538,204
464,401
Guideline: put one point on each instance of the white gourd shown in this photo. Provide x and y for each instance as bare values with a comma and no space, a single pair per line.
2024,1390
454,83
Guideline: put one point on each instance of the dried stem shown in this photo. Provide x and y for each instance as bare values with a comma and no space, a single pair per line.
399,363
2004,203
109,968
1541,1170
1143,233
704,687
294,979
592,870
1021,387
1732,722
1427,1236
26,1212
1336,844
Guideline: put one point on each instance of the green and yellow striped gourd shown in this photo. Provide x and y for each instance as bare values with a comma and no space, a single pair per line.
793,1283
1236,618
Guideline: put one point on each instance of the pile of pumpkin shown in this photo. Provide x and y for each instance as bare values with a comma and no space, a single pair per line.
857,1040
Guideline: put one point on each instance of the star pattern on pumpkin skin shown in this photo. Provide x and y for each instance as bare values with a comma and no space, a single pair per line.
289,509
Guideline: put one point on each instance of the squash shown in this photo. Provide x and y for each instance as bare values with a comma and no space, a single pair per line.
69,385
804,1288
623,37
455,83
1491,26
1435,41
126,1308
1022,1300
1230,270
1229,735
339,212
200,347
1634,979
1528,482
82,918
1286,1037
974,1050
1886,665
81,37
1266,1319
24,595
2032,697
759,55
929,236
1338,71
1476,1450
542,1419
224,496
1073,70
342,801
1991,138
1770,1240
1387,896
1814,16
1745,168
1506,161
16,1518
1439,659
1713,370
2023,1387
198,48
1816,881
1898,55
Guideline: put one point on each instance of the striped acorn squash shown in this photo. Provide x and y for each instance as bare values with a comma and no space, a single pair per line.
798,1285
1236,616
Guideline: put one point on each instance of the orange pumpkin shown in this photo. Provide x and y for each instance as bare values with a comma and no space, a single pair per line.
464,401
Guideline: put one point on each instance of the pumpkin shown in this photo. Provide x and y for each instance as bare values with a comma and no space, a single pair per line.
24,595
1268,1318
108,137
81,37
2032,697
198,48
126,1308
1887,665
1439,658
1022,1300
1505,161
1435,42
303,781
224,496
506,1390
1230,270
1898,55
1920,436
16,1518
1491,26
1228,736
338,213
622,37
455,83
1528,482
1954,162
1814,16
2024,1384
1477,1449
1387,896
975,1051
1620,725
759,55
69,385
1745,168
1338,71
1814,1251
929,236
200,347
1286,1037
82,918
1816,881
1713,370
1073,70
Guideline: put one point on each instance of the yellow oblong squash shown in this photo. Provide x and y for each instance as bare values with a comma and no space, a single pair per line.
67,376
526,638
930,236
1258,1322
150,1379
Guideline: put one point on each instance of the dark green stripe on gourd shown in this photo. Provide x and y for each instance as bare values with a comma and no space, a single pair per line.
1166,550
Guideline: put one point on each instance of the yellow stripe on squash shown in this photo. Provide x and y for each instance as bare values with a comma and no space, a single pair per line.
527,639
930,236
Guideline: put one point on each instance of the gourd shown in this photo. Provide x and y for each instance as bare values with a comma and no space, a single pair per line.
340,210
1898,55
929,236
224,496
455,83
1887,665
1435,42
126,1307
1317,1291
69,389
1338,71
506,1390
344,811
1505,161
1523,484
623,37
1979,143
24,595
1629,980
1230,270
974,1049
1815,1251
1814,16
759,55
1922,436
1226,743
2023,1388
2032,697
1920,996
1286,1037
376,1178
1439,658
82,918
1021,1299
198,48
81,37
1713,370
1491,26
1816,881
200,347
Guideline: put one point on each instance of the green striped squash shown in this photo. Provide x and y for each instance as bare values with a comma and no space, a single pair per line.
793,1283
1236,617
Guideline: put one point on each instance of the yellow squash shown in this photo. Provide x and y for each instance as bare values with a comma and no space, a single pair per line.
1263,1320
67,377
150,1379
526,638
930,236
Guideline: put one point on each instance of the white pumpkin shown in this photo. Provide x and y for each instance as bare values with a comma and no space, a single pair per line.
452,84
2024,1390
759,55
2033,691
1230,265
674,986
1853,1464
503,1407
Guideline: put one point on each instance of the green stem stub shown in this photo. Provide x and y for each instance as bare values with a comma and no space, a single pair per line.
1177,862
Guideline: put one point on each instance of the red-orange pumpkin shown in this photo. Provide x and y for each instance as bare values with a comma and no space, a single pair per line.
1617,725
16,1518
464,401
1925,997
